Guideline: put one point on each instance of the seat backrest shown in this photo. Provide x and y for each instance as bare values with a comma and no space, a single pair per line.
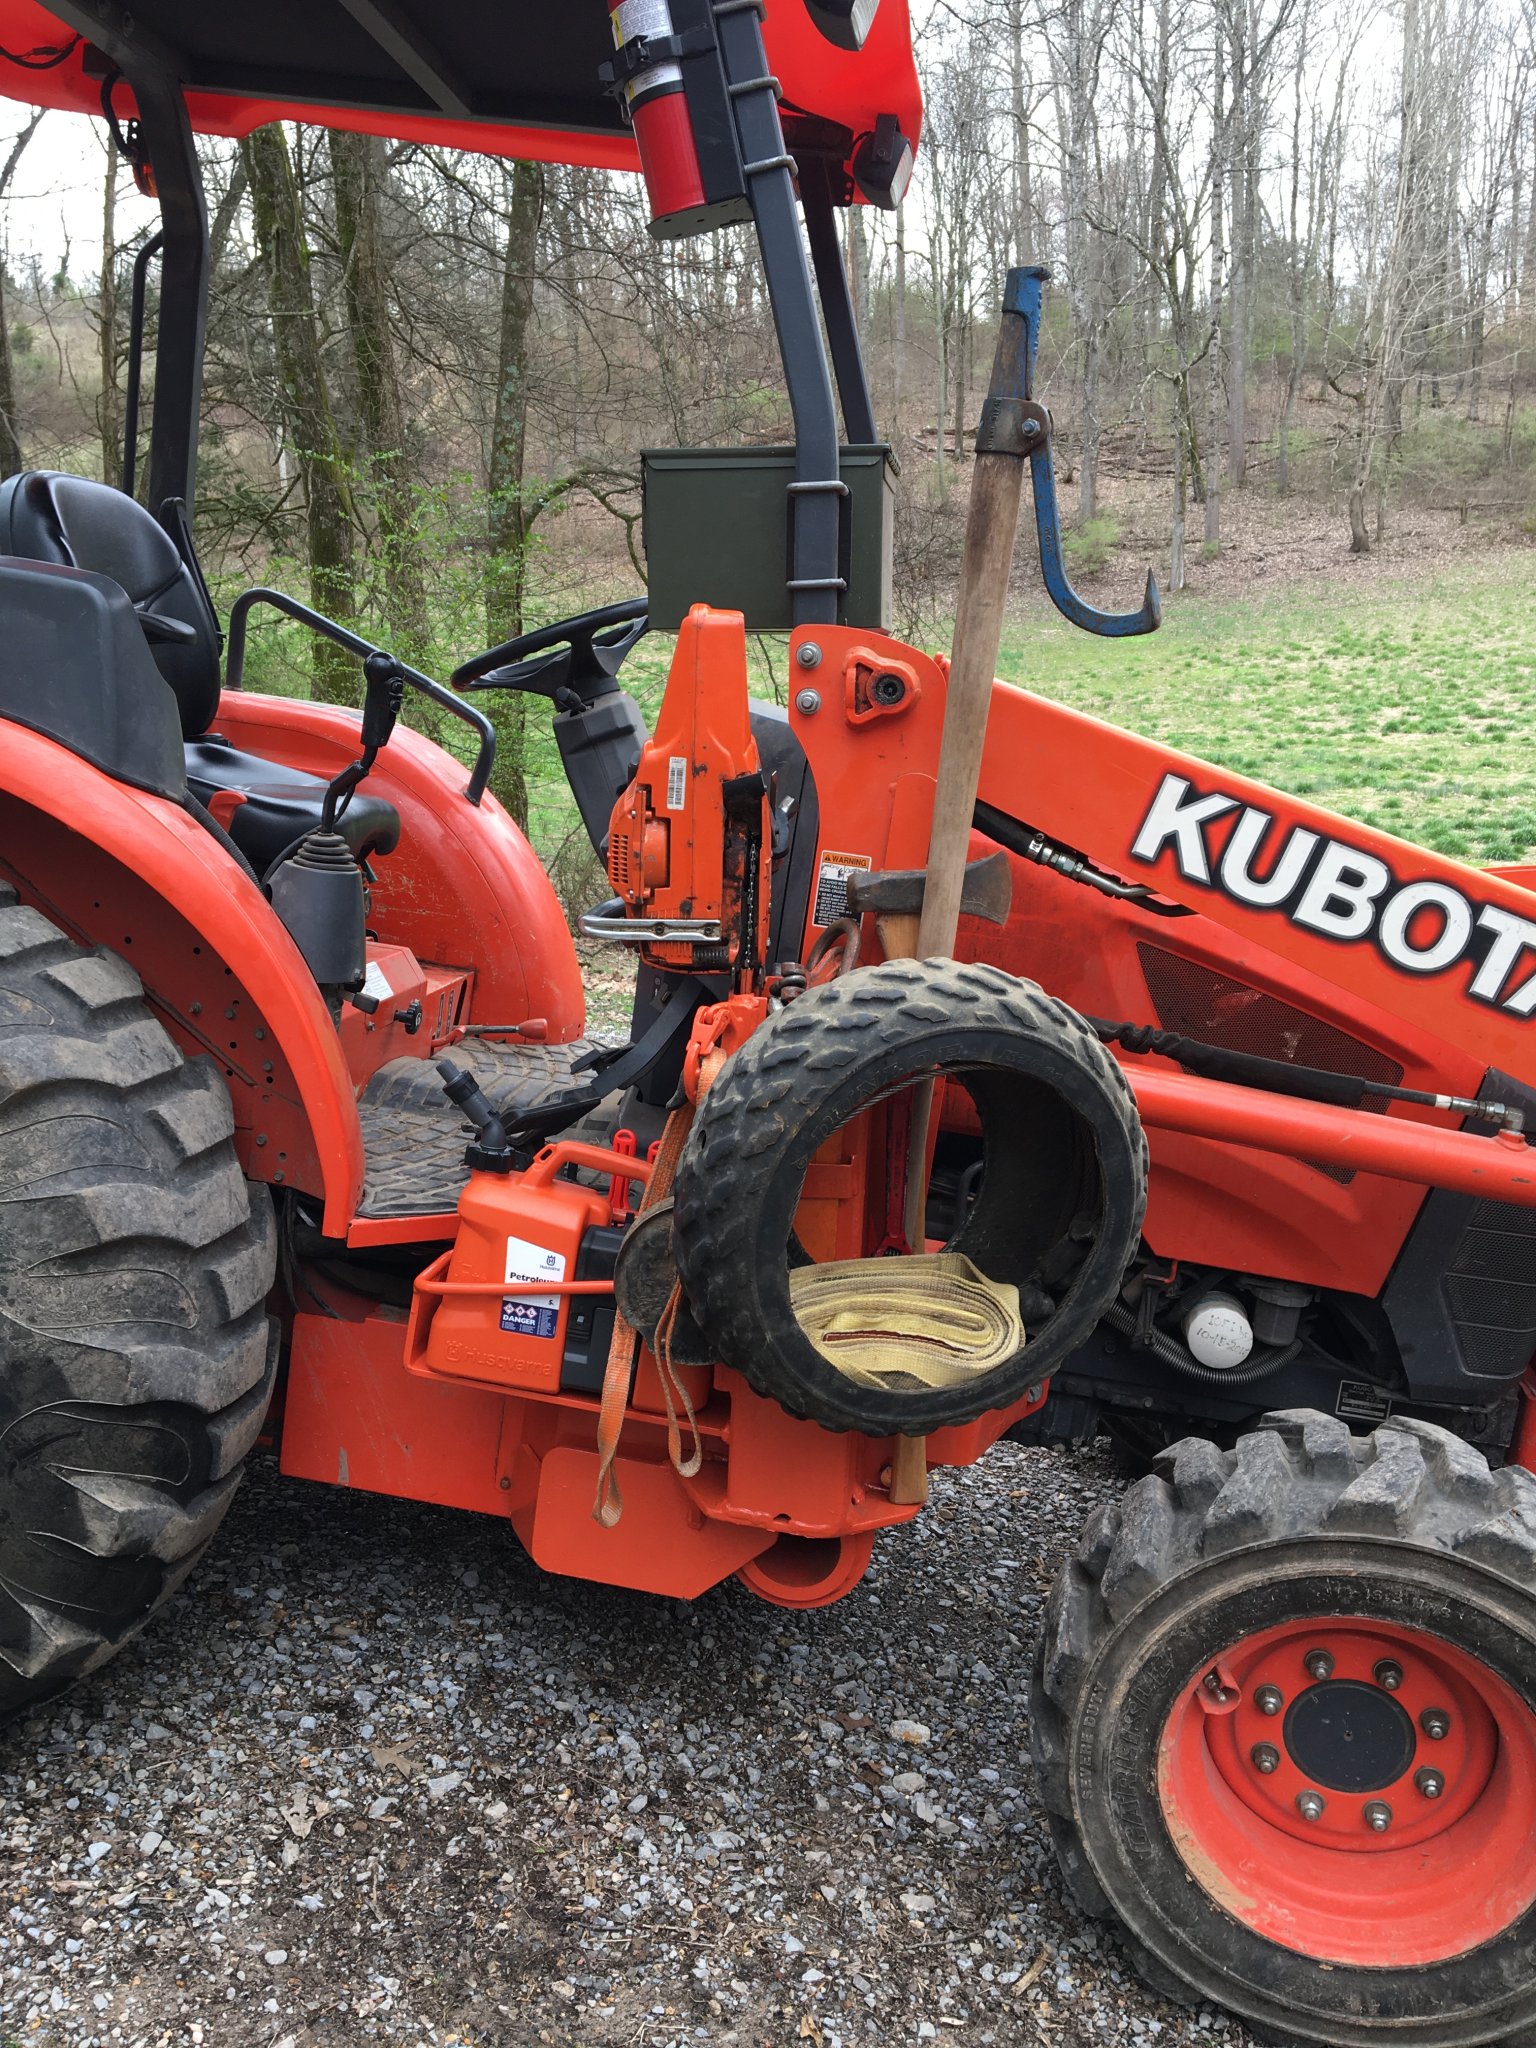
46,516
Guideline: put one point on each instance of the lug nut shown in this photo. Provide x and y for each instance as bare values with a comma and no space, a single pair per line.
1430,1783
1320,1664
1378,1816
1388,1676
1436,1723
1265,1757
1310,1805
1269,1699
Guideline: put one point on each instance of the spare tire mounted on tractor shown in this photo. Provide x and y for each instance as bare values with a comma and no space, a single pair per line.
1057,1213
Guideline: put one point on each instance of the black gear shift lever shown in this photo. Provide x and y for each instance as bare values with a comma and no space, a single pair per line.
383,695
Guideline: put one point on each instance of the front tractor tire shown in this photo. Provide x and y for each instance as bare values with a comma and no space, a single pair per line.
136,1356
1284,1718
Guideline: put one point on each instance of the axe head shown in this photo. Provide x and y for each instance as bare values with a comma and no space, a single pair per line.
987,892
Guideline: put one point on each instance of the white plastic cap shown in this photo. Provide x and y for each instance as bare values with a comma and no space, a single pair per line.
1218,1332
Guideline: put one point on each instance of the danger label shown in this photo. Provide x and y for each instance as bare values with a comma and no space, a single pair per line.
677,781
832,884
531,1315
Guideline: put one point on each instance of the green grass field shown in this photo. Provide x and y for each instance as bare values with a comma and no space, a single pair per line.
1407,705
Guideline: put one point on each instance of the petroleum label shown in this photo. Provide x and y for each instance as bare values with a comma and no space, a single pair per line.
531,1315
677,781
832,884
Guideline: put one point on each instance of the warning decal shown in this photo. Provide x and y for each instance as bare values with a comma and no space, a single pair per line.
832,884
531,1315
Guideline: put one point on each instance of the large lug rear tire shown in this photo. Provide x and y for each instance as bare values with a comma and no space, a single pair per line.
1284,1715
136,1354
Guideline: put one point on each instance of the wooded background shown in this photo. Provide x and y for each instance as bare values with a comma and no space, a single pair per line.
1294,257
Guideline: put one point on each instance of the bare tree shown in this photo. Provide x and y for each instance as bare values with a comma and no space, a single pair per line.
308,419
10,432
358,176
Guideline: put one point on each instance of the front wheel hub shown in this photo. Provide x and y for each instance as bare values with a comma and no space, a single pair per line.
1347,1742
1356,1761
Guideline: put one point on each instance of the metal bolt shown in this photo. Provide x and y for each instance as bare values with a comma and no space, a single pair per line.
1310,1805
1266,1758
1269,1699
808,654
1319,1663
1378,1816
1436,1723
808,701
1430,1783
1388,1676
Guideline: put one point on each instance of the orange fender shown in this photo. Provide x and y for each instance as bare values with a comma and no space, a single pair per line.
463,888
118,867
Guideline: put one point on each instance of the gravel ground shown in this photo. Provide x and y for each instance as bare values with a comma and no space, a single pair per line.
373,1778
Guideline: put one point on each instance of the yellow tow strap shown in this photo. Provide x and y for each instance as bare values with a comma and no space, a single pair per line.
931,1320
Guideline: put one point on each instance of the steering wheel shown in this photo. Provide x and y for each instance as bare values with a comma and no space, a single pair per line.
572,662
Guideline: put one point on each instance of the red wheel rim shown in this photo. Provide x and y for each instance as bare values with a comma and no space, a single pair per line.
1355,1791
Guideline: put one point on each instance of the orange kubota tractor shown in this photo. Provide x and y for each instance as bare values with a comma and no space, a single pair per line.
993,1072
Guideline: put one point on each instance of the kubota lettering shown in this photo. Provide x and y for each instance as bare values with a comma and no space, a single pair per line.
1511,937
1342,892
1396,933
1340,899
1172,819
1237,863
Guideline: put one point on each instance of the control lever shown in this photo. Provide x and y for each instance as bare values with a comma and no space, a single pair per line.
383,697
1021,426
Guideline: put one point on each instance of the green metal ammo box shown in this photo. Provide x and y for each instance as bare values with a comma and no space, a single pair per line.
717,532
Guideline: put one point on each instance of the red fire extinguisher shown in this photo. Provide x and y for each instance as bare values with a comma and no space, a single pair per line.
674,89
658,108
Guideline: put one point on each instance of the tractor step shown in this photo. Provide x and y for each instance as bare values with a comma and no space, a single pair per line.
414,1138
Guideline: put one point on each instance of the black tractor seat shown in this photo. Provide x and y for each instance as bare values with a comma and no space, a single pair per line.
266,806
74,523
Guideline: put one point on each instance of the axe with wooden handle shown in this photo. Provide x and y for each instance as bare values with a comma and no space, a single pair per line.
1011,426
895,896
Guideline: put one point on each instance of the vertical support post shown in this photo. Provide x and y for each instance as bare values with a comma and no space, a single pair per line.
816,583
836,300
174,427
141,264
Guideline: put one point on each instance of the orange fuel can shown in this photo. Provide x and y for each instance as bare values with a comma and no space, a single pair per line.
495,1309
